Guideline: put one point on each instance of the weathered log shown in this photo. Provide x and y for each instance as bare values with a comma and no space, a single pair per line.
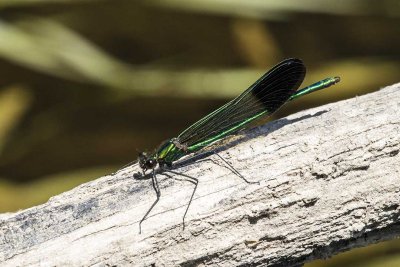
329,181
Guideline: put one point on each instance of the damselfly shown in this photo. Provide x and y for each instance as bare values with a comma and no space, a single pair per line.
270,92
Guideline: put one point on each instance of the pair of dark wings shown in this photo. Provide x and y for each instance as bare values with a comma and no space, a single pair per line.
266,95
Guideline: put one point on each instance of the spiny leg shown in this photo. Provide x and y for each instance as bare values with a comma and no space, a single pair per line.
192,180
234,170
229,166
158,194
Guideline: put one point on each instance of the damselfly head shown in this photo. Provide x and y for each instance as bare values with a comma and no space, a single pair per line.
146,162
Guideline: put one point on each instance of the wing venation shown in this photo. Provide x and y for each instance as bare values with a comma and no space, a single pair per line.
267,95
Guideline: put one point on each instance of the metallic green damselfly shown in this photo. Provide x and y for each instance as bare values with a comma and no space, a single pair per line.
270,92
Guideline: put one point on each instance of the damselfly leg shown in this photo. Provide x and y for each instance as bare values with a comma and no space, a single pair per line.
158,194
190,179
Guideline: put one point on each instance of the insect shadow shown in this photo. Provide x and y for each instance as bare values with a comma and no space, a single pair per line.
203,156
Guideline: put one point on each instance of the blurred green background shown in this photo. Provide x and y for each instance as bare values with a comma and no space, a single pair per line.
85,84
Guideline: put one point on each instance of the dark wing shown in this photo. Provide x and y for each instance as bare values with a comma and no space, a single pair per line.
266,95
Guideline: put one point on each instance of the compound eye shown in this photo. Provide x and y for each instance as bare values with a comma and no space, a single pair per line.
151,163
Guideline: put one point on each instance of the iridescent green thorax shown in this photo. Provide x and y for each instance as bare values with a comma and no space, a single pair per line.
168,152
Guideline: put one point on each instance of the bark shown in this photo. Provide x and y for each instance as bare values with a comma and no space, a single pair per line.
329,181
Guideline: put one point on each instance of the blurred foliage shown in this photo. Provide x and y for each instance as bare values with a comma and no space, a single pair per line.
382,254
85,84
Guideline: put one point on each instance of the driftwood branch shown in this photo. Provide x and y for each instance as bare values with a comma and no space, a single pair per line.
329,181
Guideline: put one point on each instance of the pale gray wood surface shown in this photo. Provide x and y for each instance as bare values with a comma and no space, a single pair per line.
329,181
